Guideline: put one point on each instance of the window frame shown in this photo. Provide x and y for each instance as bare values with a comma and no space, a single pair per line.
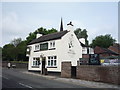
35,63
37,47
52,45
43,44
52,62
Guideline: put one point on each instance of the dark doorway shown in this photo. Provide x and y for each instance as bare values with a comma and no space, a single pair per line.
73,71
43,66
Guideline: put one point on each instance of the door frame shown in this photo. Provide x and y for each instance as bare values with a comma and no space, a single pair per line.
43,63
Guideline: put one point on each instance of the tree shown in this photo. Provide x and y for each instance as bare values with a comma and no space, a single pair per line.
16,50
8,52
103,41
15,41
31,37
51,31
21,56
40,30
81,34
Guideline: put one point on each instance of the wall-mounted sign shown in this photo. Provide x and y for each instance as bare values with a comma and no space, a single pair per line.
44,46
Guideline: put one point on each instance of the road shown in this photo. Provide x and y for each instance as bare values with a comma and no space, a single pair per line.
14,78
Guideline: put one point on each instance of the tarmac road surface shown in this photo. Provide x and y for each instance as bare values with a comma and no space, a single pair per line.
14,78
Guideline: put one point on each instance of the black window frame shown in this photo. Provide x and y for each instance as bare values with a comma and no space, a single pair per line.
43,45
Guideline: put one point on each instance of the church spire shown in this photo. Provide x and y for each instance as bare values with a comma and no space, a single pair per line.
61,26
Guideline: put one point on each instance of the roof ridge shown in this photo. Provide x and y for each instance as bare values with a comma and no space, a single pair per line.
109,50
48,37
53,33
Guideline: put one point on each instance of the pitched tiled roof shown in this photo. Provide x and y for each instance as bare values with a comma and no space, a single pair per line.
109,51
100,50
49,37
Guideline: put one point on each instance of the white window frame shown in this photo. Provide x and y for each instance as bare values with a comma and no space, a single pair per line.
35,61
84,50
52,61
52,44
37,47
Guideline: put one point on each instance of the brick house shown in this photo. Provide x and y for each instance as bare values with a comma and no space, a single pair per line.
104,52
115,48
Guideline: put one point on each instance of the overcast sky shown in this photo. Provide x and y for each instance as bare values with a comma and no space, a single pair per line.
21,18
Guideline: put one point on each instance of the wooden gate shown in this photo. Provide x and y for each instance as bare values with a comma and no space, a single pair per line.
73,71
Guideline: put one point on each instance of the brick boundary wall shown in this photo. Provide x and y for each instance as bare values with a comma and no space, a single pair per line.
66,70
107,74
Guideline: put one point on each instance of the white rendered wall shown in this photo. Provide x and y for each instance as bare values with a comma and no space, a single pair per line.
46,53
61,51
84,50
82,40
77,49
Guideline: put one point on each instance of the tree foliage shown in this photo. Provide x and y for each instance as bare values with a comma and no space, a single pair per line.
8,52
16,50
40,30
103,41
81,34
22,51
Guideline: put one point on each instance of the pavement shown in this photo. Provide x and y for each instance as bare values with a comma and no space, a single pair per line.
89,84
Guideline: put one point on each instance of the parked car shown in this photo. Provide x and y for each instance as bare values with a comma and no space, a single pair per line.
13,66
110,64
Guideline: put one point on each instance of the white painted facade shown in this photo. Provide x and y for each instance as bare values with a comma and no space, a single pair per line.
68,48
86,49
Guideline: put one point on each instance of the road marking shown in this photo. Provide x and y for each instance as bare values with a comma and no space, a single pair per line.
4,77
25,85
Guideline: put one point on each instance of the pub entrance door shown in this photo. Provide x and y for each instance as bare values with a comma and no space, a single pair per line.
43,65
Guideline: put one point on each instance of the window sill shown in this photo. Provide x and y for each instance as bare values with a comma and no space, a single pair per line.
45,50
40,50
52,49
35,66
51,66
36,50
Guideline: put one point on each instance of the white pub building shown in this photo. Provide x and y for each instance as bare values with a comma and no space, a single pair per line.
49,51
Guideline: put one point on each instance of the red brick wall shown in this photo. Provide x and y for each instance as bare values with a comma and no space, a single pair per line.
108,74
85,56
66,69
